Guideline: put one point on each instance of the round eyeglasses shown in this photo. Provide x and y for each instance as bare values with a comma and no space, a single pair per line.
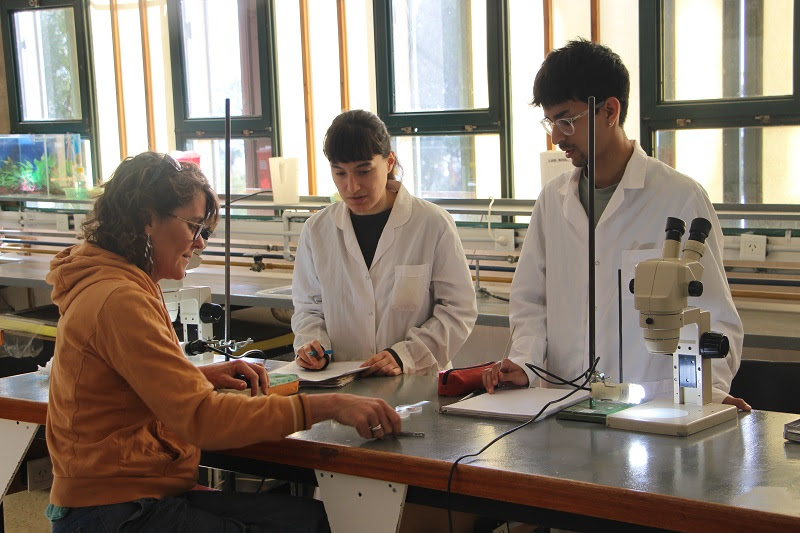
565,125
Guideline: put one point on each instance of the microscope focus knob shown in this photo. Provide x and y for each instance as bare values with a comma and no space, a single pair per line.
630,286
695,288
211,313
713,344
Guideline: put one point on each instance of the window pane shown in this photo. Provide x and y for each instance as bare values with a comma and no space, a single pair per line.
439,55
249,162
48,64
726,49
451,166
220,47
737,165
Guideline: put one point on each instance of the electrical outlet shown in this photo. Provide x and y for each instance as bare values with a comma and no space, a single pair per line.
752,247
62,221
40,474
503,240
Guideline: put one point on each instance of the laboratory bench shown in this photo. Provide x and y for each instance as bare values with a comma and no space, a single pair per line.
738,476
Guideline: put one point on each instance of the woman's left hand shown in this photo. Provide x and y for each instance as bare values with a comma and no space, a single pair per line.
221,375
381,364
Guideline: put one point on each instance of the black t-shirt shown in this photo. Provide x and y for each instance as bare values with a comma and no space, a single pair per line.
368,230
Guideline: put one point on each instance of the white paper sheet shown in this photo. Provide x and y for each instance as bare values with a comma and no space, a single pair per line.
515,404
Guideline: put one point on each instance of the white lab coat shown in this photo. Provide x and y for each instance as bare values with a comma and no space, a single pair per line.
417,297
549,294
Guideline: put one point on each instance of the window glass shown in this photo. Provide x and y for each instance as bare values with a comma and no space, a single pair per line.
572,19
447,166
439,55
737,165
220,47
714,49
526,53
249,162
48,64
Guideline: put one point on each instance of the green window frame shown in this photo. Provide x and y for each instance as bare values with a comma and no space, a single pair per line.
495,119
744,116
86,125
264,125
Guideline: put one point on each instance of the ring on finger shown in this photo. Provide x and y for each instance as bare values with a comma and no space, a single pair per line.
377,428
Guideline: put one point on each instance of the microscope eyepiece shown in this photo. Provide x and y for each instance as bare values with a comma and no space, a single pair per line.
699,230
211,313
675,228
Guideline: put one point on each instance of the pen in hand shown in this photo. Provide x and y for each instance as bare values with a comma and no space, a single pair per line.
312,352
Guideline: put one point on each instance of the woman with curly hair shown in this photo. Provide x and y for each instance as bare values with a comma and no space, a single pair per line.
128,413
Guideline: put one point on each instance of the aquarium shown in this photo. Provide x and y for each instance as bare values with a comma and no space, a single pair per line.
46,165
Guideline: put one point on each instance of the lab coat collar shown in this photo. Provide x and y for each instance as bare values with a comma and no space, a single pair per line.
401,214
401,210
633,178
635,170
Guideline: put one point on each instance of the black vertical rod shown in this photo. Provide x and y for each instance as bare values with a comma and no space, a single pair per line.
227,348
590,198
619,311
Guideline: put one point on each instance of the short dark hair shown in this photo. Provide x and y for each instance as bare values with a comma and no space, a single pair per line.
358,135
142,187
579,70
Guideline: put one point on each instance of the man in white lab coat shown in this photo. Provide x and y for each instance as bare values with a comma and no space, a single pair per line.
634,195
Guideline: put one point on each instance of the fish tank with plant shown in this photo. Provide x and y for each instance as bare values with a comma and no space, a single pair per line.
43,165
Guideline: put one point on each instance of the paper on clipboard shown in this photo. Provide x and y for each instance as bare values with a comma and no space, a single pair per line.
515,404
335,370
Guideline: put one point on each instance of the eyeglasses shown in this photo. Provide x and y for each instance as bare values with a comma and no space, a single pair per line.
166,162
200,230
566,124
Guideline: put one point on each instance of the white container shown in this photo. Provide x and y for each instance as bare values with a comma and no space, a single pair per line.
283,172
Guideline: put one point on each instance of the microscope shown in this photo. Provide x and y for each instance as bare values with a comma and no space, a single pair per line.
193,307
661,288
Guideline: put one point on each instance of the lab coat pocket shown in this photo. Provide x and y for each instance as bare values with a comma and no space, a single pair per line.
411,284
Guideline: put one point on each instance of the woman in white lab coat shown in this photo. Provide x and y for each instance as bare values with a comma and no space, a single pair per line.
381,276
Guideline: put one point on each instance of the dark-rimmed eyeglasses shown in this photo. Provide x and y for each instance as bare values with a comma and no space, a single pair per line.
565,125
198,229
167,162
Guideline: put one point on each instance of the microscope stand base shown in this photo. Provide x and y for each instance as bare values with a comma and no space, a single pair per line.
668,418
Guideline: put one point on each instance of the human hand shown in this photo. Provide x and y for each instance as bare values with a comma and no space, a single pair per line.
221,375
371,417
503,372
381,364
738,402
305,356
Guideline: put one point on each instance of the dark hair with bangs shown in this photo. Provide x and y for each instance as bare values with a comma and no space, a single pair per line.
579,70
358,135
142,187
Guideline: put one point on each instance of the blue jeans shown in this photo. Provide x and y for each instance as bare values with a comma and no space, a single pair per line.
200,512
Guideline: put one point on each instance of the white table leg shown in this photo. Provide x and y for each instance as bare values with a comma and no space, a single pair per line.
15,439
361,504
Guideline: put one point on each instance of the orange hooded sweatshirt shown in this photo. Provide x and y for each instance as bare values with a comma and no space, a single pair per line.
128,414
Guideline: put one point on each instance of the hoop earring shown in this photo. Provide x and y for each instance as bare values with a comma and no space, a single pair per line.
148,255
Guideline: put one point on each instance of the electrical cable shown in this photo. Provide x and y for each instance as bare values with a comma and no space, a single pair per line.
489,219
559,381
588,376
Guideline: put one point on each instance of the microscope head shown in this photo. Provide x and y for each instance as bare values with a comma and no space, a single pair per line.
661,287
